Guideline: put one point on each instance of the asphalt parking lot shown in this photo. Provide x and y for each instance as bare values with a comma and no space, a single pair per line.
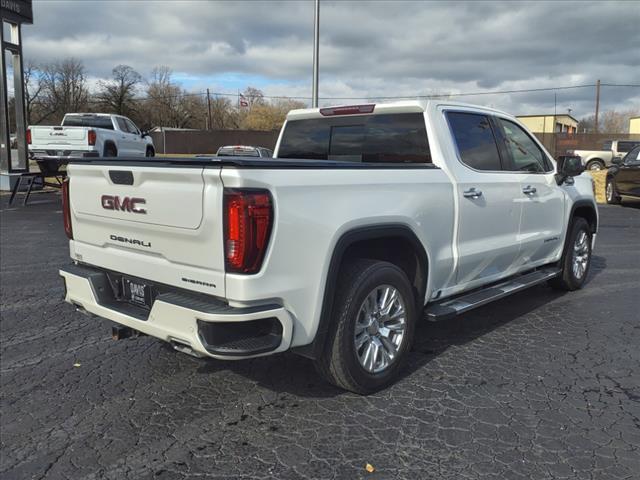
540,385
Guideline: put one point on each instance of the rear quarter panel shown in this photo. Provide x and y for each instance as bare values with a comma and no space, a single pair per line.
315,207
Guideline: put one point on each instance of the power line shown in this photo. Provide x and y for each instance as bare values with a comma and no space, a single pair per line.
636,85
394,97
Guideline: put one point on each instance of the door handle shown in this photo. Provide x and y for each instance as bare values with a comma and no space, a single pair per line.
472,193
529,190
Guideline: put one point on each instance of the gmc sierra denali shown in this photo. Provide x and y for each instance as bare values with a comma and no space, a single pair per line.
368,219
90,135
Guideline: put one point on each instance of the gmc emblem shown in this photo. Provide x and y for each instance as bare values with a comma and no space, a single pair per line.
126,204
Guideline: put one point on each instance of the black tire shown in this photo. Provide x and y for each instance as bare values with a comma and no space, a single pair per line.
150,152
339,363
568,279
110,151
610,192
595,165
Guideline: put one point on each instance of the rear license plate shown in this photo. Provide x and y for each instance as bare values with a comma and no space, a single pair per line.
60,153
137,293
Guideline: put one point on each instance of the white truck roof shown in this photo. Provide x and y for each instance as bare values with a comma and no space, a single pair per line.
88,114
404,106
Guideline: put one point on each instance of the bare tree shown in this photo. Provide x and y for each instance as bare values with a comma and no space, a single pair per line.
169,106
223,114
63,89
253,98
32,88
270,116
610,121
118,94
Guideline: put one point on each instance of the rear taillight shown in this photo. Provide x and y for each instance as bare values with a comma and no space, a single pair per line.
248,218
29,136
66,209
92,137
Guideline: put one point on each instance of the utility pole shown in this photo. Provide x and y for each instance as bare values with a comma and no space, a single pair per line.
209,110
316,48
597,104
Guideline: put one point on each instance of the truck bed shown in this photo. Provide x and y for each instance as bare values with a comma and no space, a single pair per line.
244,162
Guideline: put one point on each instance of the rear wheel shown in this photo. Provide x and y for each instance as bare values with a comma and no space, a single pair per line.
374,317
150,152
611,194
595,165
576,259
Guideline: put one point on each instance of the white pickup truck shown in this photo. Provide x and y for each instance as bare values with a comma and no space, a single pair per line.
601,159
368,219
90,135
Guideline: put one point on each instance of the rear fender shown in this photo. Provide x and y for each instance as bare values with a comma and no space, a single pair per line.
316,348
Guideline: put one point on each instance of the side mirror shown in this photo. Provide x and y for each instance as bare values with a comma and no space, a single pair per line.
568,166
144,133
617,160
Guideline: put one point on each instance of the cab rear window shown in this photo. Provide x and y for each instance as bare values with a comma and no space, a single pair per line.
87,121
390,138
238,152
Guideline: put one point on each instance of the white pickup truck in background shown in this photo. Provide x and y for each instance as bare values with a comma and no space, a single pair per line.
601,159
90,135
368,219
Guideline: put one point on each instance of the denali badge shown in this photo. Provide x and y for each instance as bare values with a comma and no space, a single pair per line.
127,204
132,241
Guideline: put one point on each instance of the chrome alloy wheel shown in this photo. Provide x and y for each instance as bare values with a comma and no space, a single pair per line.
580,255
380,328
595,166
609,192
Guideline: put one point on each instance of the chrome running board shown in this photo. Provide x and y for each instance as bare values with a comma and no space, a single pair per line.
451,307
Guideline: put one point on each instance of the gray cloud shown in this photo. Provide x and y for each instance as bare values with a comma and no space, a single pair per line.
367,48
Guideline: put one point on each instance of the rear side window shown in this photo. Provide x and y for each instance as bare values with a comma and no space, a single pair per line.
87,121
131,127
624,147
475,140
122,125
385,138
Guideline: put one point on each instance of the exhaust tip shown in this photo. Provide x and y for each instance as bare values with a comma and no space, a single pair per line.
185,347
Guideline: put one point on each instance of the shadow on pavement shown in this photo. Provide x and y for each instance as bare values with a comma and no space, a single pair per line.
296,375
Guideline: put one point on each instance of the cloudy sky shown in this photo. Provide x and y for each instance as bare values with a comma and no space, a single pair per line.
367,49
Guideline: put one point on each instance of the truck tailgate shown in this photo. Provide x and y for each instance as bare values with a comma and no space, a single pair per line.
163,223
59,136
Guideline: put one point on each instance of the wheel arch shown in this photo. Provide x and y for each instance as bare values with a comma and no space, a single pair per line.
595,160
395,243
587,210
107,144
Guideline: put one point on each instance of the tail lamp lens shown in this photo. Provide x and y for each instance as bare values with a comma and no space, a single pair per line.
247,224
29,136
92,137
66,209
